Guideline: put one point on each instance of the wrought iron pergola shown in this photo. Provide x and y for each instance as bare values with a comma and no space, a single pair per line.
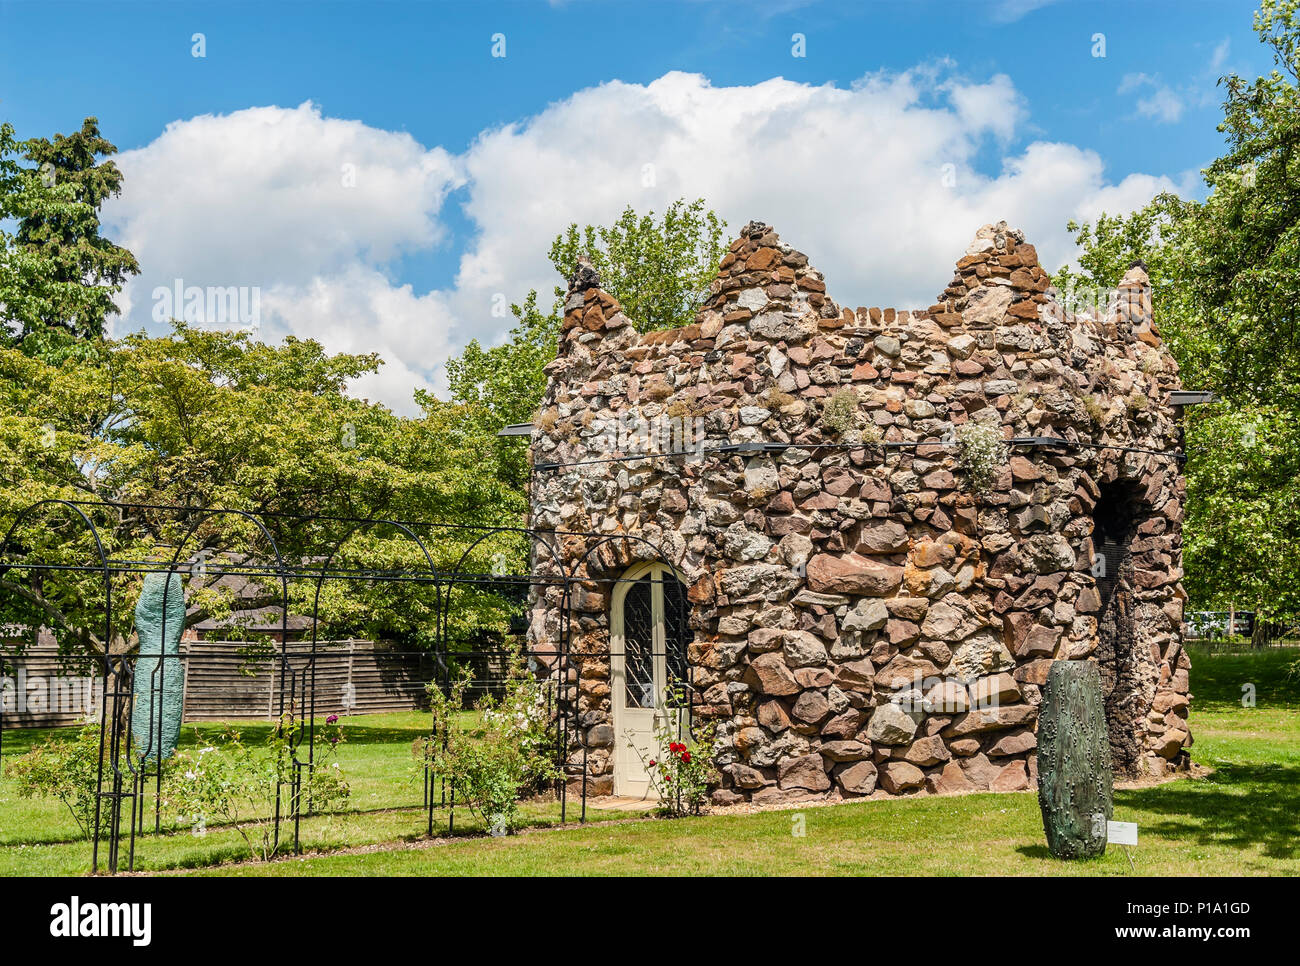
558,559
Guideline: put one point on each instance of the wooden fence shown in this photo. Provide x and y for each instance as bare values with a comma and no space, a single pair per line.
351,677
222,682
42,688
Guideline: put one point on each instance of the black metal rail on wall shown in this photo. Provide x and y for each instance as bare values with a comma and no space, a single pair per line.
128,775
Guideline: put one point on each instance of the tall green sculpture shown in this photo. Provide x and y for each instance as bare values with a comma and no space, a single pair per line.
1074,773
159,693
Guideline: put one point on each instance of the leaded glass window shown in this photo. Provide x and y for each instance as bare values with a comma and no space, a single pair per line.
638,644
655,633
676,637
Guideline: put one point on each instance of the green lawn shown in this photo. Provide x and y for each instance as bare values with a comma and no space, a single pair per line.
39,836
1244,819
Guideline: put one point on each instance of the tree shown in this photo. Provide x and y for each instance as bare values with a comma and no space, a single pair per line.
58,274
502,385
1245,239
1226,294
214,419
659,270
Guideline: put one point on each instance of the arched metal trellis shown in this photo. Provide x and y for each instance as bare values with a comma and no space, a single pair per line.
123,780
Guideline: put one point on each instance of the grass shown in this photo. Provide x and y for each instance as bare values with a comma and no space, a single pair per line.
1243,819
39,836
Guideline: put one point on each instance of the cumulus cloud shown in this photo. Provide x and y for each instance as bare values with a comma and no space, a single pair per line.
302,210
361,310
882,183
877,183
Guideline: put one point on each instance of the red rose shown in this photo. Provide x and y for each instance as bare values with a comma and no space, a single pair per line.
686,757
652,762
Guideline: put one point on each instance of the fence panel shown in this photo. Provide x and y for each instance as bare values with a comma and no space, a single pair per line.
39,688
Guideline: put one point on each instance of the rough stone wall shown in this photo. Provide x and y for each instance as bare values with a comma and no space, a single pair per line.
866,620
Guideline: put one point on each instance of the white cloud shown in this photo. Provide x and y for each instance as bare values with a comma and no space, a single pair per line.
1009,11
1220,54
879,183
360,310
266,185
855,178
995,106
304,208
1163,103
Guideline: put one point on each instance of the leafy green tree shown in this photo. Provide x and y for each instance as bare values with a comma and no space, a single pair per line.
214,419
1109,246
659,269
1245,240
58,274
1226,295
1242,534
203,418
502,385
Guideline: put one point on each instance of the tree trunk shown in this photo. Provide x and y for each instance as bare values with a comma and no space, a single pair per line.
1074,771
116,683
1258,633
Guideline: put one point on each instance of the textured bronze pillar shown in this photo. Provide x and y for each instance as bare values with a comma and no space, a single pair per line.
159,701
1074,774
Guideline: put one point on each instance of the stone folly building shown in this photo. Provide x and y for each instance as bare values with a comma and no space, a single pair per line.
861,537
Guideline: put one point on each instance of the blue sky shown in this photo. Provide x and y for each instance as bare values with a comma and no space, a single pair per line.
502,151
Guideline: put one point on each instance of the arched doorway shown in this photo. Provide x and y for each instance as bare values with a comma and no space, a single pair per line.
648,670
1120,660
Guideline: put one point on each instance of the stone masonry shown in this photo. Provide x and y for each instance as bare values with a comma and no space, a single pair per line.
865,618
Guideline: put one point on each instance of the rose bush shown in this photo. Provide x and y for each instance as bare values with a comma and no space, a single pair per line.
682,772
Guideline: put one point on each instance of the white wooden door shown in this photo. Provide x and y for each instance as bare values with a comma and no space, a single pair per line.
646,637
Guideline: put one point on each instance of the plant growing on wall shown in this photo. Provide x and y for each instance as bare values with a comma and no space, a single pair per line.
1095,409
1137,402
840,411
980,452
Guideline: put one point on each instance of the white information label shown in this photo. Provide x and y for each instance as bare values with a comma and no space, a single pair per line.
1122,833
